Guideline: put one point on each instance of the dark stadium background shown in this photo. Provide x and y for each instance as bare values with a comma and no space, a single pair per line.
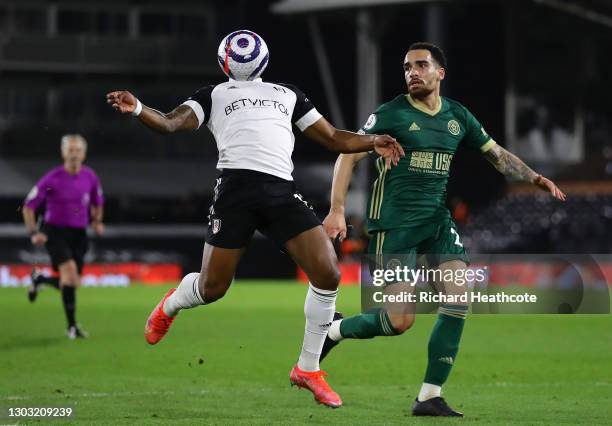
59,58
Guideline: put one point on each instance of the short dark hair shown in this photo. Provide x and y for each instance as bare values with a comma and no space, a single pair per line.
436,52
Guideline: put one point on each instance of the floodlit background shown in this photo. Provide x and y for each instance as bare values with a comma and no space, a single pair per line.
535,73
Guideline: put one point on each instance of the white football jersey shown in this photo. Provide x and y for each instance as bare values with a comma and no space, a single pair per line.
251,122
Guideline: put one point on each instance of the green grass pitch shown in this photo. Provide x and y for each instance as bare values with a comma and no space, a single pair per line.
228,363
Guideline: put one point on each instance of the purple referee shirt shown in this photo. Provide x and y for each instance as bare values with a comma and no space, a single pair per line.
68,197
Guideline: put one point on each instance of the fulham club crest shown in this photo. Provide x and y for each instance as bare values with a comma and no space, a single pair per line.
216,225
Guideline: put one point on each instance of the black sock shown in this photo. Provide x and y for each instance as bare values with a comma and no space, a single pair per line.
69,299
52,281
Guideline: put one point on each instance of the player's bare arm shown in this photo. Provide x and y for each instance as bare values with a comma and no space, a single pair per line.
348,142
97,217
510,165
29,218
335,222
180,118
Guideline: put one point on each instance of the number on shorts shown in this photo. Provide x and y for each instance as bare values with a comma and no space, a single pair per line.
457,242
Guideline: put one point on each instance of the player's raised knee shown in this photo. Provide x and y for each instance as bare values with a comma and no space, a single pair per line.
327,278
334,275
401,323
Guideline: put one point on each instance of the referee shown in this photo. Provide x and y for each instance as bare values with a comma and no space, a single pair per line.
72,196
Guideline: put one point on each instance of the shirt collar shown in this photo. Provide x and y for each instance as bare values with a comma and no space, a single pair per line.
258,80
423,108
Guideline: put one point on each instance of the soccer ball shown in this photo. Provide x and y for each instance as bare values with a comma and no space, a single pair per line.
243,55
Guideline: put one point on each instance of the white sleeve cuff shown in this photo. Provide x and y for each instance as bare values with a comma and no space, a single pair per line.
197,108
310,118
138,108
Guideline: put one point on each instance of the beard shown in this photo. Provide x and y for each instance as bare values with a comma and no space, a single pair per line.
420,91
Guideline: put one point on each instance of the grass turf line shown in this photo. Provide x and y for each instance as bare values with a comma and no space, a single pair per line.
228,363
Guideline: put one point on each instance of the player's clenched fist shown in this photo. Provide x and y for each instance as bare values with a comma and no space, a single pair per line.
335,225
122,101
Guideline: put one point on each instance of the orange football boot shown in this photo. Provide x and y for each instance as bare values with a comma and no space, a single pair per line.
158,322
315,382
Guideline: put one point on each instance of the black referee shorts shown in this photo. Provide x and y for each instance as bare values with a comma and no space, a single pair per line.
65,243
247,200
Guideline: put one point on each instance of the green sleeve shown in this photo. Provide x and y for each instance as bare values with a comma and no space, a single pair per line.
475,135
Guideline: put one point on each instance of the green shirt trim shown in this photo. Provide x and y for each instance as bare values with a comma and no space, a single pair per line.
423,108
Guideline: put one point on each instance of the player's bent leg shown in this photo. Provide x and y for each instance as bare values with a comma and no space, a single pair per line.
391,319
314,253
207,286
218,270
370,323
401,322
37,280
443,347
210,284
401,314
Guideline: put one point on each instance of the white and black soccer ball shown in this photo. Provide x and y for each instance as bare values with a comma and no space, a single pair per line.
243,55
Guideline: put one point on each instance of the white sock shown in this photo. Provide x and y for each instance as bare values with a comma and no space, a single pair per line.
319,309
334,331
429,391
187,295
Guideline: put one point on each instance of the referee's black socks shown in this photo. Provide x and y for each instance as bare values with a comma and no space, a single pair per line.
69,299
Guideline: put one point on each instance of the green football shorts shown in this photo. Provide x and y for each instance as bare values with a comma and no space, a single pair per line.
438,241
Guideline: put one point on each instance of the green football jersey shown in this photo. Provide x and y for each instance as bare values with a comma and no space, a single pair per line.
413,193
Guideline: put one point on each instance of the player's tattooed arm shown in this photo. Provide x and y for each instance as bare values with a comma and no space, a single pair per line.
510,165
180,118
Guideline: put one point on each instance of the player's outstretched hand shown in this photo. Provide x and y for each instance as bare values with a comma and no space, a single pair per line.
549,186
38,239
122,101
389,148
335,225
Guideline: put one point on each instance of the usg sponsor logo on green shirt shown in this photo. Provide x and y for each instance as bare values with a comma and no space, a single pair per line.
430,162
